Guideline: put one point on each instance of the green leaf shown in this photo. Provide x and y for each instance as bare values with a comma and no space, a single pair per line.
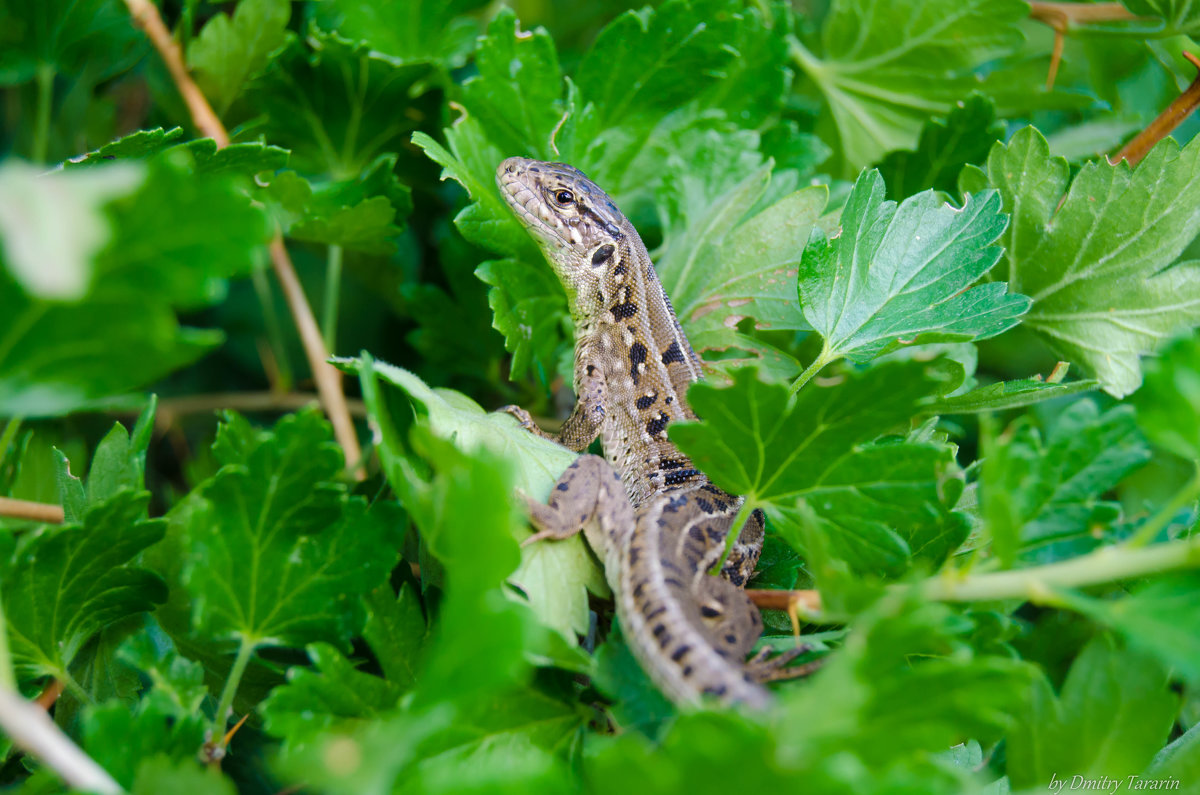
278,554
246,159
119,462
554,577
396,632
530,310
157,775
519,107
878,503
332,103
333,693
1095,253
1159,618
1044,500
1004,395
231,49
1113,714
69,36
53,226
408,31
160,255
66,584
153,728
357,214
966,136
750,273
873,72
1168,404
1179,18
898,275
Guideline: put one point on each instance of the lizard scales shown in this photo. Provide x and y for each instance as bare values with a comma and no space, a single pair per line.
655,520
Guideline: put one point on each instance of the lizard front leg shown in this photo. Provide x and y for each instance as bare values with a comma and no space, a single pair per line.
588,497
583,426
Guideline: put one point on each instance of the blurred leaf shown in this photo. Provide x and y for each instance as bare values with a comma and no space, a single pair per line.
53,226
396,632
230,49
1098,262
156,775
878,504
1159,618
554,577
873,69
1043,501
966,136
160,255
67,36
1168,404
898,275
408,31
1179,17
311,549
332,693
1113,713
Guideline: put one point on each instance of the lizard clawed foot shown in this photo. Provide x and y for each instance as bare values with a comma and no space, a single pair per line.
765,668
526,421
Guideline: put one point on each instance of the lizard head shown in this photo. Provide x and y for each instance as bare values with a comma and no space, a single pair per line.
575,223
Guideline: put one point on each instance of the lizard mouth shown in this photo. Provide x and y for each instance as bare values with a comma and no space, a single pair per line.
511,177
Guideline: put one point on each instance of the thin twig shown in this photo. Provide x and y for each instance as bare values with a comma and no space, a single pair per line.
34,511
1079,13
1061,16
31,729
146,17
247,402
1165,122
328,378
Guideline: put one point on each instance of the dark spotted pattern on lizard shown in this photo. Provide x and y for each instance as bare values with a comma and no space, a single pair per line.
656,521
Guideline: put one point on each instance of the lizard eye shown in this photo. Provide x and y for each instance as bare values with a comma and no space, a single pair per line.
564,197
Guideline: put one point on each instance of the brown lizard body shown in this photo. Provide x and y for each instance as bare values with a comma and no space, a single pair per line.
655,520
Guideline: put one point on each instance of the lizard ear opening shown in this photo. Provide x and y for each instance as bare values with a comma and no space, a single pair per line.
603,254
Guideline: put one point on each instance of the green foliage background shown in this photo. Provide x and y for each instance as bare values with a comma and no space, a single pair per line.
878,227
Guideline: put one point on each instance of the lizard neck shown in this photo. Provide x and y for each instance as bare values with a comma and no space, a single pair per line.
630,327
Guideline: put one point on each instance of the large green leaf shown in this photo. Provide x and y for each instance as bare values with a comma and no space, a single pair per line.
277,552
899,274
879,504
66,36
1095,253
407,31
1113,714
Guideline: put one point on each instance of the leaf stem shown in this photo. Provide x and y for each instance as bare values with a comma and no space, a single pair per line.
822,359
333,289
1183,498
44,77
735,530
225,705
1038,584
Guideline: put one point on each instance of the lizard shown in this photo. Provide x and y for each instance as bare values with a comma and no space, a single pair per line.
656,522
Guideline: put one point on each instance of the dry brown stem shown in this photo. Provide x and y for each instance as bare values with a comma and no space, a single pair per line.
329,380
